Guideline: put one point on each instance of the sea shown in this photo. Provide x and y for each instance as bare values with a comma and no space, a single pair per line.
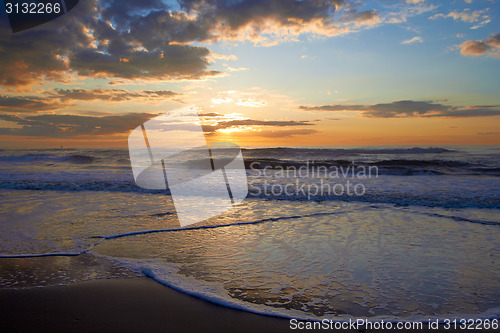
325,232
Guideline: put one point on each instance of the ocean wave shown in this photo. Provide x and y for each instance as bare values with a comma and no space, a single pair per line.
79,159
80,185
352,151
401,167
399,196
52,158
30,158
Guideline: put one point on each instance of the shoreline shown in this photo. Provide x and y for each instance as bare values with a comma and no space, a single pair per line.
122,305
137,304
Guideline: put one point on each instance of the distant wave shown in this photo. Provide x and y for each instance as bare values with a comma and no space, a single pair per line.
401,167
409,176
400,196
30,158
79,159
25,158
116,185
352,151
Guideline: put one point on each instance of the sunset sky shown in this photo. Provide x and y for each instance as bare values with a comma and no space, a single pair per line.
283,72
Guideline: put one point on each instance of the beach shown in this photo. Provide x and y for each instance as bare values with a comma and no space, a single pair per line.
122,305
132,305
83,248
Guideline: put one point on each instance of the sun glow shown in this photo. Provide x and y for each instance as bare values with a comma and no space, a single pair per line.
234,129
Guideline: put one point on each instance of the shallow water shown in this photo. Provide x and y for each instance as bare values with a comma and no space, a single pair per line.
415,246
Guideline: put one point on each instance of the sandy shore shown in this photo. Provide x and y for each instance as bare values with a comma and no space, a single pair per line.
122,305
126,305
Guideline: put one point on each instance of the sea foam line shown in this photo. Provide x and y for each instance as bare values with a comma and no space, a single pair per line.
60,254
271,219
458,218
144,232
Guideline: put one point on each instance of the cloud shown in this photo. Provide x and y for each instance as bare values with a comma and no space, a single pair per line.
171,62
253,122
41,53
474,47
231,57
410,9
264,22
333,107
153,40
61,98
61,126
464,16
28,104
494,40
210,114
490,46
222,100
413,40
234,69
481,24
409,108
251,102
404,109
86,43
222,122
111,95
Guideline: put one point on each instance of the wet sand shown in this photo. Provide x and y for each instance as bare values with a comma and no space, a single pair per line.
122,305
129,305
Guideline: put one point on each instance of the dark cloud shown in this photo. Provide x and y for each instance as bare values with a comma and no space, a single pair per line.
61,98
85,42
351,15
259,21
256,20
28,104
408,108
221,124
466,112
494,40
404,109
57,126
41,53
172,62
210,114
147,39
253,122
333,107
478,47
122,11
112,95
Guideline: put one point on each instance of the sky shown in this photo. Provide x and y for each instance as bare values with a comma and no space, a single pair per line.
263,72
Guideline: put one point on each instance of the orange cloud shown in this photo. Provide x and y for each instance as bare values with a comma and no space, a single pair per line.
490,46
